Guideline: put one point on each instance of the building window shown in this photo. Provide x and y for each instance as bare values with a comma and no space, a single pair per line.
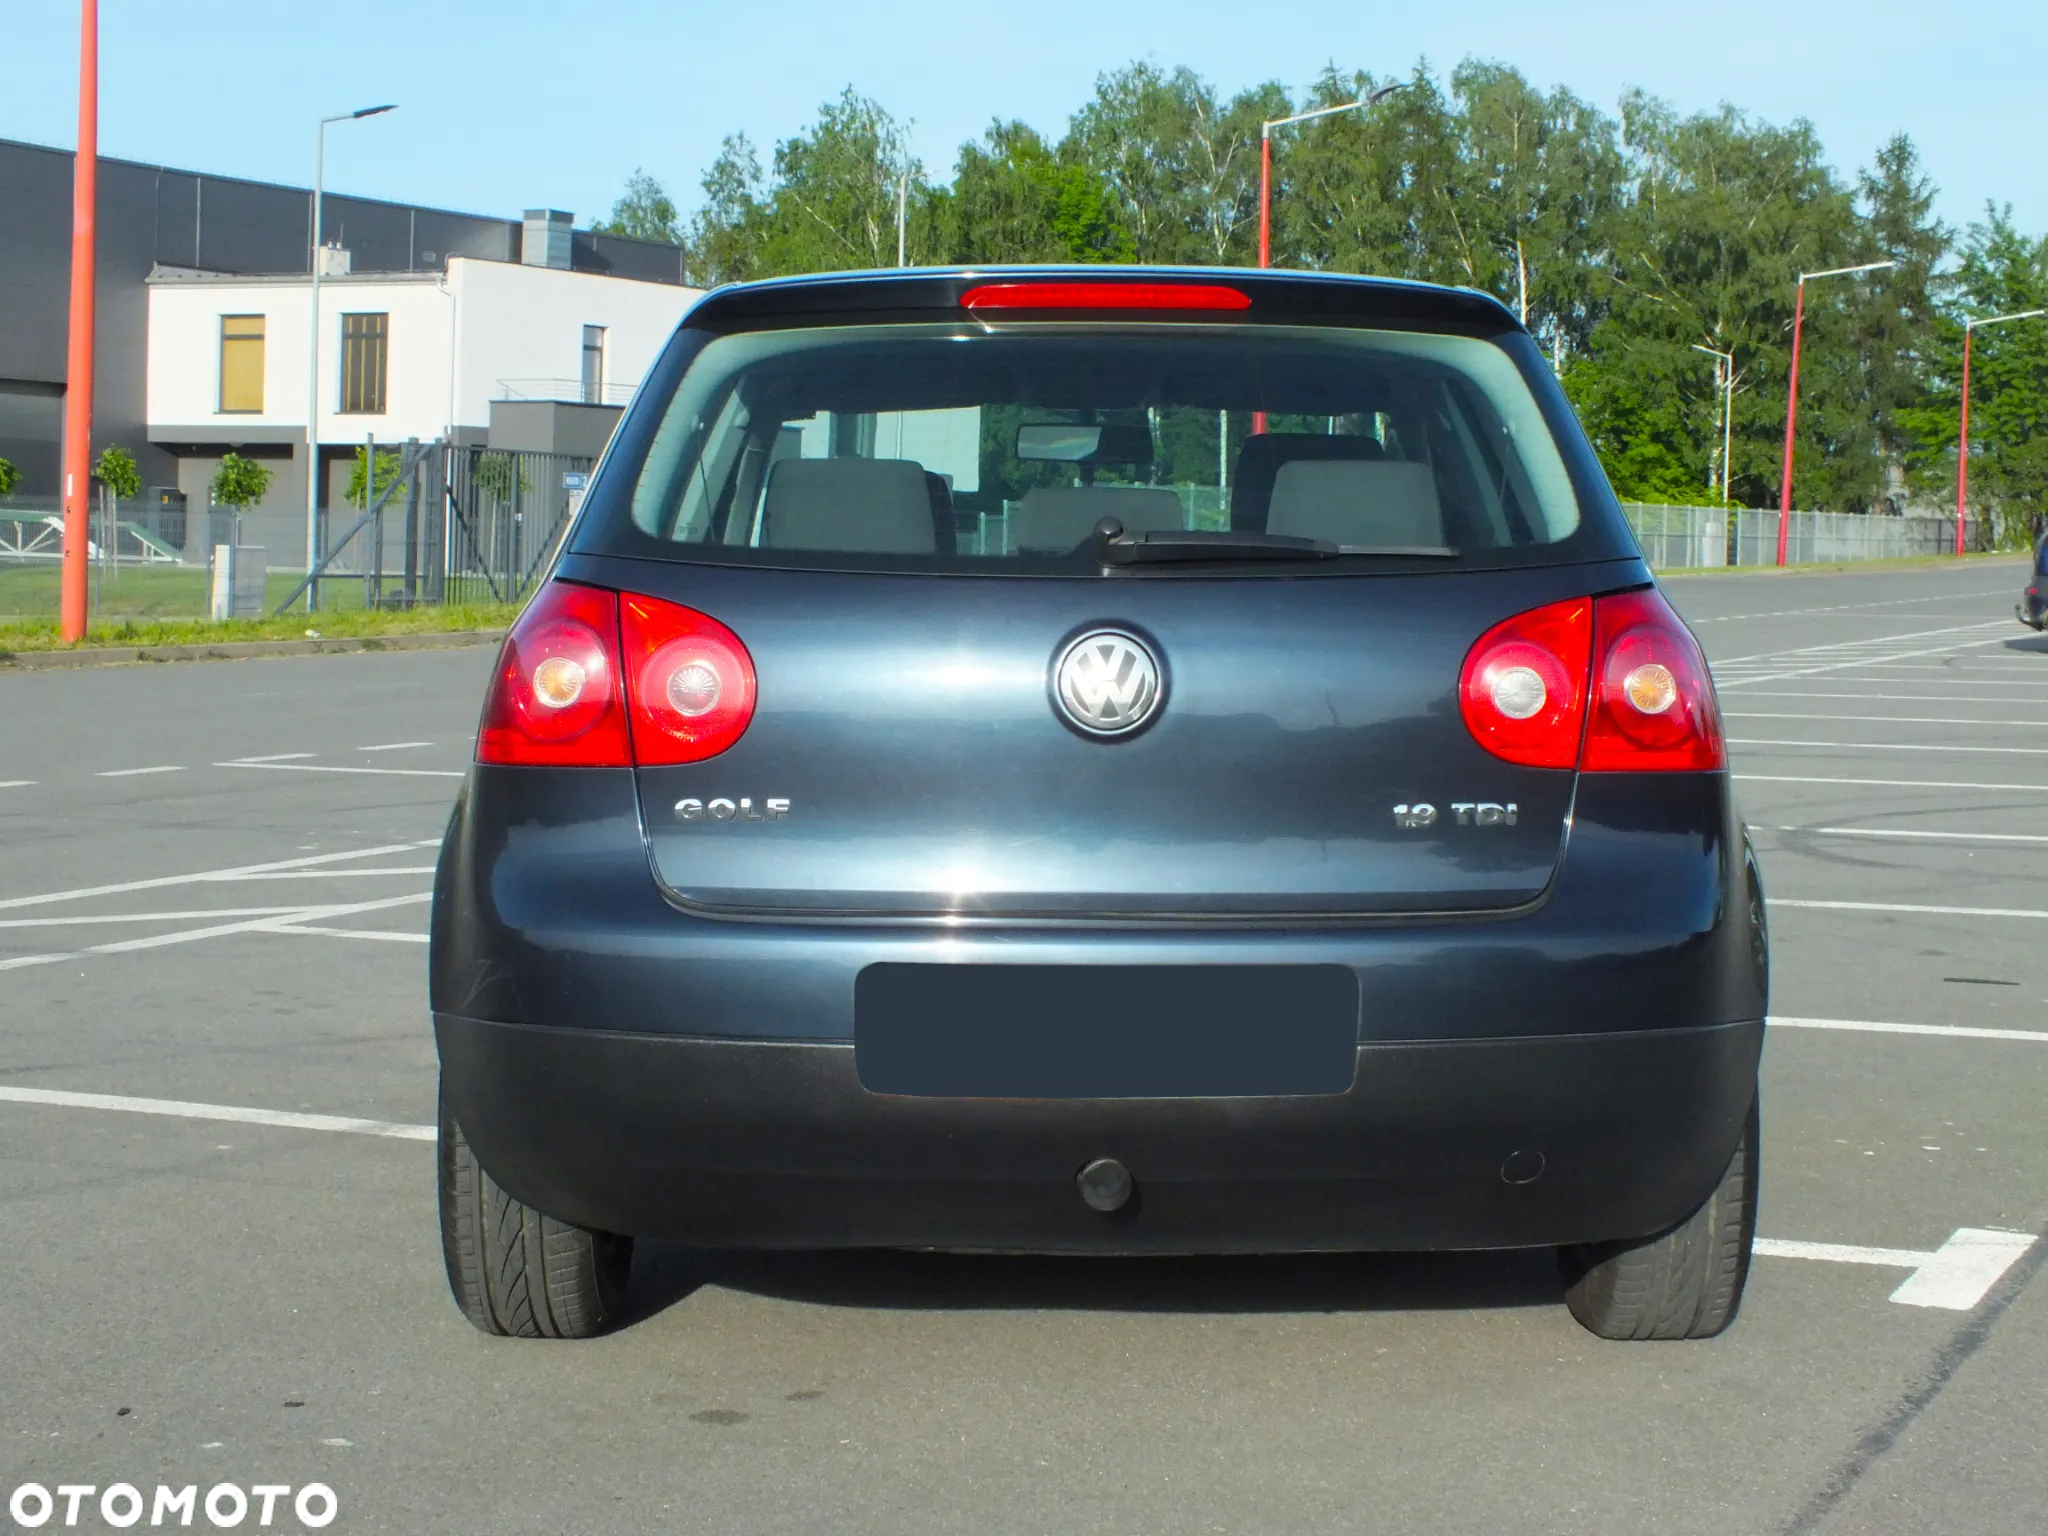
241,363
593,365
365,355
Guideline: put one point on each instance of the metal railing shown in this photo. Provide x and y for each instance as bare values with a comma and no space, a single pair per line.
1694,538
455,525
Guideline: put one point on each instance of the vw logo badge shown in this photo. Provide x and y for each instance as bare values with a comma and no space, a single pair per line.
1106,683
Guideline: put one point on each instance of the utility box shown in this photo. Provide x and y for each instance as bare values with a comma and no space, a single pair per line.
239,571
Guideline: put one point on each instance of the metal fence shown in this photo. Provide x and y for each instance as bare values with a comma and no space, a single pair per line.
1692,538
456,525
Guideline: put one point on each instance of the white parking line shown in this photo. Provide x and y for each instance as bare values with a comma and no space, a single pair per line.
1813,717
17,783
1794,778
1951,697
395,746
1887,906
345,874
1914,835
415,773
1890,602
1882,746
1937,1031
1954,1277
236,872
275,757
184,1110
78,920
130,773
350,933
212,931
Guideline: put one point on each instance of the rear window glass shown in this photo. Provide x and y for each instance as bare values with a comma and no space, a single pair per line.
999,449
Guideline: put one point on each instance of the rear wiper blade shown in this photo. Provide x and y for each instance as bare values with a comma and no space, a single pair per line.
1165,546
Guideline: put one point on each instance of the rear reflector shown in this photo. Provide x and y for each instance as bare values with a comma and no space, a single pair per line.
595,679
1200,296
1613,685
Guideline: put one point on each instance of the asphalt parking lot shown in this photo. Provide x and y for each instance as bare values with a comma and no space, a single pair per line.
215,1072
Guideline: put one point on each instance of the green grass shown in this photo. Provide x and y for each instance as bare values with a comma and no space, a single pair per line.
1848,567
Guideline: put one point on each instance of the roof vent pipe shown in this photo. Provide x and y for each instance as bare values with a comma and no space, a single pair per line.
545,238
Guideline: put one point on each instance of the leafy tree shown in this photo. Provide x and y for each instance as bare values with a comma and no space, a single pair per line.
10,477
1015,199
387,476
644,212
726,234
500,476
1899,316
115,469
239,482
1181,165
2001,272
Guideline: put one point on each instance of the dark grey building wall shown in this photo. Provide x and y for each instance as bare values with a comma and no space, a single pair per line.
150,215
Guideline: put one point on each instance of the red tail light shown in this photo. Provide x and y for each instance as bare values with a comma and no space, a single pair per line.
1523,687
556,697
690,680
1613,685
1653,701
592,679
1210,296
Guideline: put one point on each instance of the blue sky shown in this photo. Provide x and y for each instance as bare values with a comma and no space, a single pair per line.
514,103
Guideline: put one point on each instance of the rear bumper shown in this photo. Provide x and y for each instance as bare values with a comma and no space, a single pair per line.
1454,1144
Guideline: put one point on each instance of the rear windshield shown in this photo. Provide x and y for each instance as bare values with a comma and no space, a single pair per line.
998,450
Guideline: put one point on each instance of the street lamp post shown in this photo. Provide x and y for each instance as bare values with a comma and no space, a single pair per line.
313,354
1726,369
1266,128
1792,391
1963,436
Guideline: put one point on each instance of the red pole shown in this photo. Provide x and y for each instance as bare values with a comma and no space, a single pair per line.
78,369
1791,422
1265,199
1265,229
1963,443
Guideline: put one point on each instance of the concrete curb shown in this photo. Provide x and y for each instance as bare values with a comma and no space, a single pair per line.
238,650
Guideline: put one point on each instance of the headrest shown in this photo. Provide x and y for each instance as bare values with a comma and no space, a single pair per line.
1362,501
858,506
1259,461
1053,520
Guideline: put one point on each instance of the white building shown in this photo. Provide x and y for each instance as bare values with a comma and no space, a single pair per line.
517,356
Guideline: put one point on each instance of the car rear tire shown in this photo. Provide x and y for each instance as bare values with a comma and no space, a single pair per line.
1684,1284
515,1271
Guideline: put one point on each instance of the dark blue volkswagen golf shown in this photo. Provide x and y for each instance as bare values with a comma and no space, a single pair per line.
1099,761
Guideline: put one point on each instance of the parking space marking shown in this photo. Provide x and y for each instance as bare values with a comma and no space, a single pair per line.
1915,835
236,872
1950,697
185,1110
17,783
415,773
212,931
1890,906
130,773
275,757
1954,1277
395,746
1859,608
1939,1031
351,933
345,874
1811,716
1883,746
1794,778
77,920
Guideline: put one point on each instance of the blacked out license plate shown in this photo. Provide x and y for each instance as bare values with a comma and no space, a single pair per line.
1105,1031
